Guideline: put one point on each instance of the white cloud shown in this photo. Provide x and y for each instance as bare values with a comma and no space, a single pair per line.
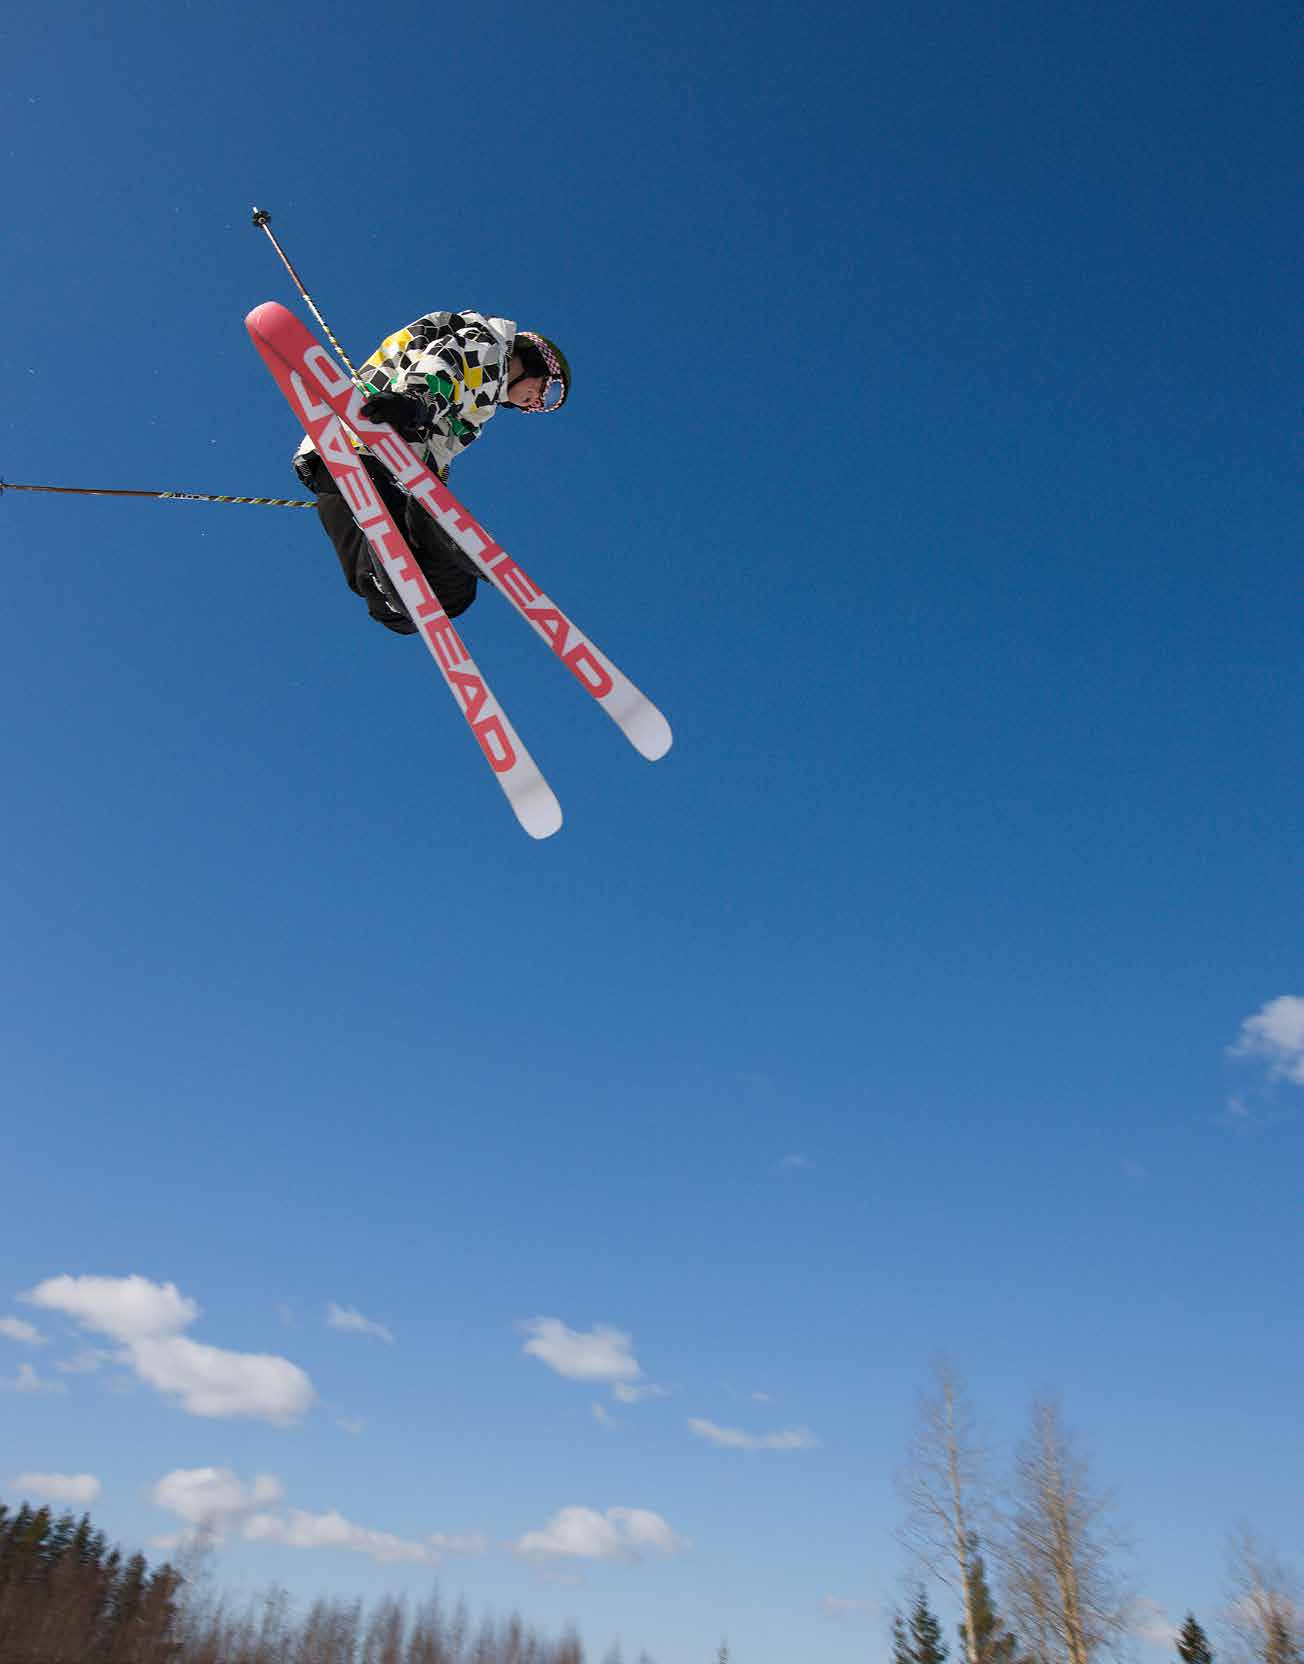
300,1529
1135,1171
27,1380
172,1542
581,1532
631,1395
1276,1034
458,1542
796,1164
215,1502
128,1308
645,1530
602,1414
585,1534
210,1382
350,1424
17,1328
601,1354
733,1438
332,1530
1246,1117
59,1487
345,1317
1151,1623
838,1606
85,1362
205,1380
213,1499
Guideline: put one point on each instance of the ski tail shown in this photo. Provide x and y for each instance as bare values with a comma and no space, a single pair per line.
279,332
303,377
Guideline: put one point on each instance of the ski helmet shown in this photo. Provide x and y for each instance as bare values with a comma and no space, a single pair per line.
555,367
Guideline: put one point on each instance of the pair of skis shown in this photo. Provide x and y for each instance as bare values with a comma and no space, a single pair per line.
327,402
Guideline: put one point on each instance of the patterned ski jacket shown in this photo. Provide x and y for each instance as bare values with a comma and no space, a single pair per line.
456,362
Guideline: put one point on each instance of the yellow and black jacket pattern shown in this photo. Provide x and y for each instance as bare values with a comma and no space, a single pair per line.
456,363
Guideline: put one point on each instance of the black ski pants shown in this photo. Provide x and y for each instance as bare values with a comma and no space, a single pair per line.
450,573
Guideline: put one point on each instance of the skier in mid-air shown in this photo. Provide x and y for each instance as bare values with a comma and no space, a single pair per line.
437,383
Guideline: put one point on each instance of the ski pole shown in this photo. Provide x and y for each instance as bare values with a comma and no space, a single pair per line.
263,220
161,496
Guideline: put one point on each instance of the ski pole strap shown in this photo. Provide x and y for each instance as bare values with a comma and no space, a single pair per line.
159,496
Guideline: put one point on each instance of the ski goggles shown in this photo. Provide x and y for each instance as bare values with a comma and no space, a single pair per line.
558,375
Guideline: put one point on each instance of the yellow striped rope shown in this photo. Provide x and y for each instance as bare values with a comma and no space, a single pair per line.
160,496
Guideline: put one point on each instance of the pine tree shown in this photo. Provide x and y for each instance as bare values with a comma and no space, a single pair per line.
23,1551
918,1638
82,1540
1193,1644
58,1539
160,1612
11,1535
927,1645
993,1643
124,1608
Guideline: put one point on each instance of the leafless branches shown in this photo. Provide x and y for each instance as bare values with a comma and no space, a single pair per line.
1264,1618
944,1490
1059,1552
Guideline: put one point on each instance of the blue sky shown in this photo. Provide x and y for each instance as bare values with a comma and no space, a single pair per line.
933,462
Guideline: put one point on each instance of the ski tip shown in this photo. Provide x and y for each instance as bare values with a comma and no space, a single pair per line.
649,732
538,810
260,320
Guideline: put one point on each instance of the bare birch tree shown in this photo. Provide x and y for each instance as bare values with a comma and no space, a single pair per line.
383,1640
944,1490
1062,1585
1264,1618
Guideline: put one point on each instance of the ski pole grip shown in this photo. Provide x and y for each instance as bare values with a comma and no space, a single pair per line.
261,217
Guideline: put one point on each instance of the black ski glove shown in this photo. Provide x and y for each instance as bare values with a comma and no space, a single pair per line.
406,415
